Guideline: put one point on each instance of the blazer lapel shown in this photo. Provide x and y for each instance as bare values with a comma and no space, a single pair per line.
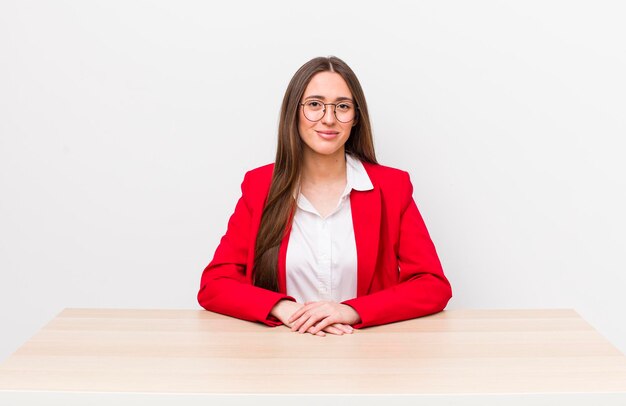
366,212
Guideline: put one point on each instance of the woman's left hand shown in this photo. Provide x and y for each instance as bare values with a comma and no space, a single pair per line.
318,315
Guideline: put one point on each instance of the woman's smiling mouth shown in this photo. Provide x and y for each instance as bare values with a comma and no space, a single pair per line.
328,135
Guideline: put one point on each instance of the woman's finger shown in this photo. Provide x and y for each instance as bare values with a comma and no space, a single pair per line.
296,314
346,328
327,321
333,330
300,321
313,320
302,310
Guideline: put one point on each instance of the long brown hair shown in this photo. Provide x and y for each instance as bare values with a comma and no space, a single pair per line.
280,204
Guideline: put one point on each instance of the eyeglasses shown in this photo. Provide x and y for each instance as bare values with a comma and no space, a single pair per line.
314,110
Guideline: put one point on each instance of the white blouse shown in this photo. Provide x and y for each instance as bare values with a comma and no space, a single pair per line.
321,261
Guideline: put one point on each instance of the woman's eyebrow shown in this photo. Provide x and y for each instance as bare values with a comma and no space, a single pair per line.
342,98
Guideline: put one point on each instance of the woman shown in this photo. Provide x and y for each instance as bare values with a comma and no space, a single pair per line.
325,239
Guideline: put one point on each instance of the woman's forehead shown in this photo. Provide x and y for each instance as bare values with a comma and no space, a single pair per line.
328,85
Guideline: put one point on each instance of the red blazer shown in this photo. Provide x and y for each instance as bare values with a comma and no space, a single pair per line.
399,275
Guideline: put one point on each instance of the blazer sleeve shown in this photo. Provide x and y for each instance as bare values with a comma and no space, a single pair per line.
226,285
422,287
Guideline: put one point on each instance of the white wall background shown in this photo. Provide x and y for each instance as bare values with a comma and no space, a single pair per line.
126,128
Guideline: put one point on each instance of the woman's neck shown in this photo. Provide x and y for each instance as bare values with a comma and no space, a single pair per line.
317,169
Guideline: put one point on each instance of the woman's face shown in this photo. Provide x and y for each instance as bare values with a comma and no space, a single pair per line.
327,136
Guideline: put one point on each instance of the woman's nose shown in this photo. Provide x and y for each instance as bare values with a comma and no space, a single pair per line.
329,115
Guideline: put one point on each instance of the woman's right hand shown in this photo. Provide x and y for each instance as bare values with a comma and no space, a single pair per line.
285,308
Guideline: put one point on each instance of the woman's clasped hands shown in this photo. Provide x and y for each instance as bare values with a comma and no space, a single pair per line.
317,318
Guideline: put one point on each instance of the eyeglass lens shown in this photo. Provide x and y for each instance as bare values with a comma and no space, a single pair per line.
314,110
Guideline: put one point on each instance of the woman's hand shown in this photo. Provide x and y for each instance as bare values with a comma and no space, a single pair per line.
314,317
284,309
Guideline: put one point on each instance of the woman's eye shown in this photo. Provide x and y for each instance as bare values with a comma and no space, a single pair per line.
344,106
315,105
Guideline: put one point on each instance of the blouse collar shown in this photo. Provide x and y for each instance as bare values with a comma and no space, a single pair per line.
356,175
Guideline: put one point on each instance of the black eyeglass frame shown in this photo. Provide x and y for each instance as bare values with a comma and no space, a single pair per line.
356,111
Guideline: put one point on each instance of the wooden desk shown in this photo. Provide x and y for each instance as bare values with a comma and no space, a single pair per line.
458,357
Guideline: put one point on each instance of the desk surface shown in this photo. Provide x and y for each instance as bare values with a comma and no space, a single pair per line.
199,352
